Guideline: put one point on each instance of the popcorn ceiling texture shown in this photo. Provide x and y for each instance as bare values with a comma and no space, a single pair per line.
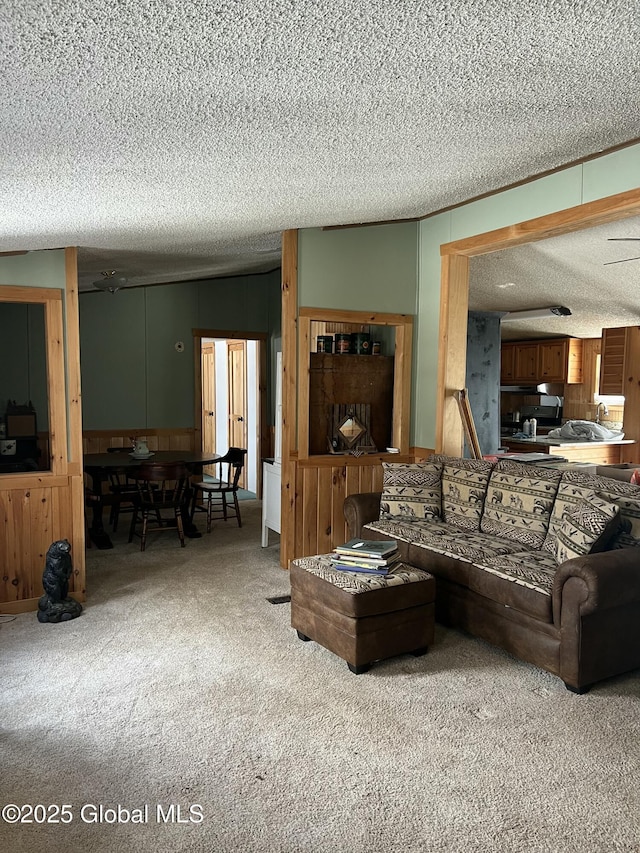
198,131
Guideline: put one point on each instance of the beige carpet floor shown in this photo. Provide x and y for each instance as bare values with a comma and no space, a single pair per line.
181,687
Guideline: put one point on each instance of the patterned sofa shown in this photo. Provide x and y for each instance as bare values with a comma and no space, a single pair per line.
541,562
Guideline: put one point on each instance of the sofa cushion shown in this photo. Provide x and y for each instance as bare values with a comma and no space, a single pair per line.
576,485
464,487
588,527
522,580
519,501
411,491
445,539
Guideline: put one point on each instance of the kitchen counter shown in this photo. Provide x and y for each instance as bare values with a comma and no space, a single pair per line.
546,442
600,452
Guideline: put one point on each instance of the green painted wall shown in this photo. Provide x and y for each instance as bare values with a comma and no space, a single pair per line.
370,268
605,176
612,174
132,375
35,269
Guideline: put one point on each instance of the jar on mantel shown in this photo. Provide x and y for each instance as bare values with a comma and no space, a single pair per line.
343,343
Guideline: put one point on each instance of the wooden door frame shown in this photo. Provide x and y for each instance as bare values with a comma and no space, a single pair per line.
454,293
263,430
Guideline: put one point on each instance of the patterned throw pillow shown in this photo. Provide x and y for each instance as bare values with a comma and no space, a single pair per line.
587,528
568,497
411,491
625,495
519,501
464,486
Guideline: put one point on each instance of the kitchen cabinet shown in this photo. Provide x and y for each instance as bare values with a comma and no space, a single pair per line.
596,452
507,364
526,362
551,360
620,375
620,350
561,360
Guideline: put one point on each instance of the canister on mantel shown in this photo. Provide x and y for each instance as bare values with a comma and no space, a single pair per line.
324,343
361,343
343,343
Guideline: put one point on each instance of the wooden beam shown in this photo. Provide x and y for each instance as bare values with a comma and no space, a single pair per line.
403,359
599,212
304,338
289,394
452,360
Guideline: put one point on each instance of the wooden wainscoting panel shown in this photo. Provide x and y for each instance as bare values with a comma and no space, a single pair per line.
324,516
17,574
353,478
370,479
309,492
168,438
34,516
338,494
323,485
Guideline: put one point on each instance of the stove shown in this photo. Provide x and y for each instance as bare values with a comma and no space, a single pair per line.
548,418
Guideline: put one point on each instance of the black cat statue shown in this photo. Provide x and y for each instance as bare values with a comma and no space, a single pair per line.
55,605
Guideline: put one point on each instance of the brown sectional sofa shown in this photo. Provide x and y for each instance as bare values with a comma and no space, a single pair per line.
541,562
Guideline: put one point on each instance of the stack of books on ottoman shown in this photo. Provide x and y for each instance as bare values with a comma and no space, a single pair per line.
371,556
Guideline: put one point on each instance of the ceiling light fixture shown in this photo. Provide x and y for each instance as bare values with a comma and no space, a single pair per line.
110,281
534,313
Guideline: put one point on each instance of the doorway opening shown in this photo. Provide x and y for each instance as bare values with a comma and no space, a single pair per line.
230,404
454,292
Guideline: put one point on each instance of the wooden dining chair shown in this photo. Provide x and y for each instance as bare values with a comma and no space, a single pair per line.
122,488
219,499
161,493
90,501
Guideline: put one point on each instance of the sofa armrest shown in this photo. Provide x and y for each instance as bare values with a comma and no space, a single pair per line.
597,582
360,509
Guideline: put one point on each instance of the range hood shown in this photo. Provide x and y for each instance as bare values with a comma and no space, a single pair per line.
543,388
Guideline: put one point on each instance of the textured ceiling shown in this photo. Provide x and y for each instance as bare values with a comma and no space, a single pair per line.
579,270
176,139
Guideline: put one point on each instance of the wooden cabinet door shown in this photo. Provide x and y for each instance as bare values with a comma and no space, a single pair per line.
612,361
526,362
507,364
553,357
237,354
208,421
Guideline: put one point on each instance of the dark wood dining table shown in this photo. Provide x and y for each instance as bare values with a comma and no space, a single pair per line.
98,465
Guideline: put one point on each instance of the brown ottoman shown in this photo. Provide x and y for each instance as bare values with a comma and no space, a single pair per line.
362,617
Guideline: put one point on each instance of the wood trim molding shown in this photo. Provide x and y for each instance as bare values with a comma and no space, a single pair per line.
289,392
335,315
454,290
403,324
401,431
304,346
454,307
9,293
224,334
